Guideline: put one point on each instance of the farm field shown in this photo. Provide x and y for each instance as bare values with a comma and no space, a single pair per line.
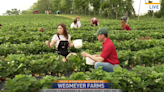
23,53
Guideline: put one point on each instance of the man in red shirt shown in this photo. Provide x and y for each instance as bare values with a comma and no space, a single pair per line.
126,27
108,57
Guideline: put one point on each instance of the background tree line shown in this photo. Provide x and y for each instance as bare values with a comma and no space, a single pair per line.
103,8
13,12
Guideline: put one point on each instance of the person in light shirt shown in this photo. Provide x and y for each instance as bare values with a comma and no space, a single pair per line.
61,40
78,22
74,24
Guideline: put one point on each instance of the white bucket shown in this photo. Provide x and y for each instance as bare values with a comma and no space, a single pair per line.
89,61
77,43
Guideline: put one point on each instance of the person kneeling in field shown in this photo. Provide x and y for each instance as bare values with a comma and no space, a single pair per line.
124,24
78,22
94,21
108,57
74,24
62,40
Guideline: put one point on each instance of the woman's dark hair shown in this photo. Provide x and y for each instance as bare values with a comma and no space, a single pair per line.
64,30
75,21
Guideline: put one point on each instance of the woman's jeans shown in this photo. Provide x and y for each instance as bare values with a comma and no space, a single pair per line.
105,66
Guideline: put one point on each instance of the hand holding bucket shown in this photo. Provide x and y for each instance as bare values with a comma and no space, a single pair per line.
89,61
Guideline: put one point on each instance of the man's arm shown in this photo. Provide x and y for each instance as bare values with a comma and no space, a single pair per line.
96,55
96,58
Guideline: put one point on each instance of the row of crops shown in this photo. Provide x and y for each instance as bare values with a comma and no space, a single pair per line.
23,52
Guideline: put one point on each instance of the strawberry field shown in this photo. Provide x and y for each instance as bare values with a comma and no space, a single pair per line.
23,53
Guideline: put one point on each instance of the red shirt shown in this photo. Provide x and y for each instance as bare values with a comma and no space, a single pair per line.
109,52
126,27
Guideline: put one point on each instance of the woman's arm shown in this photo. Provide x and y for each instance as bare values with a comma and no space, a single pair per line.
50,44
70,44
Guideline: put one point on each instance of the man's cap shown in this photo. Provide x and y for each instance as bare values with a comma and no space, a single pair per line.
101,31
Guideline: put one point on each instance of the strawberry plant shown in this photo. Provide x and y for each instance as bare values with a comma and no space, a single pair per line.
23,51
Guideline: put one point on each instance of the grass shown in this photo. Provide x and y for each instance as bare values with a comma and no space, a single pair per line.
82,17
87,17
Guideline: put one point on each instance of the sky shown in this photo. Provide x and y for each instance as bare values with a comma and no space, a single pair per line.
18,4
25,4
143,7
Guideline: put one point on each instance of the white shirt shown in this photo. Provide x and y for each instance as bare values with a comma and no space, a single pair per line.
74,25
79,23
62,38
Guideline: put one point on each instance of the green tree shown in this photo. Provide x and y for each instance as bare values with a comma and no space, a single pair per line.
161,12
44,5
8,12
55,5
110,8
95,4
150,12
13,12
162,7
107,8
66,6
77,8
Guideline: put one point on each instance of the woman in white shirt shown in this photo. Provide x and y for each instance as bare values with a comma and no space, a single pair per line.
74,24
62,40
78,21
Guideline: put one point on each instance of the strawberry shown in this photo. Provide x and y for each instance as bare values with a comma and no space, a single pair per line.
131,66
3,59
5,79
36,75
